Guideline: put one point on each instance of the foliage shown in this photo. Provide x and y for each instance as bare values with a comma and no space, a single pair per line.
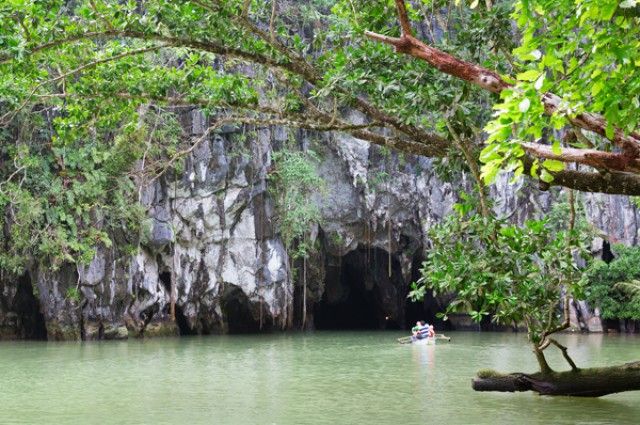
611,286
509,273
92,81
412,90
74,294
99,61
586,52
71,185
295,179
559,216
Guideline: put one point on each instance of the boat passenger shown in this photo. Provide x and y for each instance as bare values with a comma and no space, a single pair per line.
432,332
415,331
423,331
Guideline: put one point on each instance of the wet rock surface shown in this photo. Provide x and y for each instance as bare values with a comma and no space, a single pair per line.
211,235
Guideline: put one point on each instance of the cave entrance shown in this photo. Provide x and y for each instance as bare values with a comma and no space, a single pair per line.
183,324
30,323
421,310
427,308
237,310
358,293
607,254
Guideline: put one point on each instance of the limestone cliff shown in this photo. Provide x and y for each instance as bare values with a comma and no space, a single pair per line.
210,232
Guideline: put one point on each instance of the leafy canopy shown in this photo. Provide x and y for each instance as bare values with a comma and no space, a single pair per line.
587,53
508,273
91,76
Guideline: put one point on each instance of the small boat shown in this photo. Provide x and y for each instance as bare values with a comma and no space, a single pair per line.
428,341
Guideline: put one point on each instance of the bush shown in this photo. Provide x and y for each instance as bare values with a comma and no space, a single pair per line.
604,291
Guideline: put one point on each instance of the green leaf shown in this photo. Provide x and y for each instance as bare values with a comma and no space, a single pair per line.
596,87
553,165
529,75
609,131
545,176
524,105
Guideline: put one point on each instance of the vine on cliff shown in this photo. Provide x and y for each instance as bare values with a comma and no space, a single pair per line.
294,180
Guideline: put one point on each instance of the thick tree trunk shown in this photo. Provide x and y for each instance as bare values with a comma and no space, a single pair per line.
594,382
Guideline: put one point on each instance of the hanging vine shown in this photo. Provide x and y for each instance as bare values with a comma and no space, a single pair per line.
294,178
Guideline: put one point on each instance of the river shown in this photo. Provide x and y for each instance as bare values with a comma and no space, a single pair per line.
314,378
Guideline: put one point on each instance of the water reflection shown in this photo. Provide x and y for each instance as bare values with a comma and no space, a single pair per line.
424,354
319,378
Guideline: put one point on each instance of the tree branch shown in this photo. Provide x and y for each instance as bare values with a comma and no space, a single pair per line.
565,354
609,183
405,23
472,166
545,341
591,157
207,46
13,113
492,81
257,121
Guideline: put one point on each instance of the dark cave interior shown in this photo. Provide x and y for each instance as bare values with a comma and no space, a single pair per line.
235,306
30,323
360,295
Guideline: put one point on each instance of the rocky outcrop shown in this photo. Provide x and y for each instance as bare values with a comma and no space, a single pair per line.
615,216
210,239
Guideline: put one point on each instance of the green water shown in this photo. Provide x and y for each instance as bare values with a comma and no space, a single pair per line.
316,378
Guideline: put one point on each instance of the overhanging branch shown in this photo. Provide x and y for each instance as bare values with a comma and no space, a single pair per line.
590,157
492,81
611,183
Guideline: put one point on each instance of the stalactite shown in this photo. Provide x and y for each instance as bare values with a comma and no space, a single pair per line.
173,284
263,253
389,243
367,254
304,287
389,224
291,277
173,255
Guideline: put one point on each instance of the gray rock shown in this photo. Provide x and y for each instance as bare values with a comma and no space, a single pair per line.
229,268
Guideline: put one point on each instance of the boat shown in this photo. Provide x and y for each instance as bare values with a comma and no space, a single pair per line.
428,341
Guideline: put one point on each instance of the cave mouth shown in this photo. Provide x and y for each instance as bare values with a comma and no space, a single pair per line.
607,253
183,323
353,293
428,308
237,310
30,323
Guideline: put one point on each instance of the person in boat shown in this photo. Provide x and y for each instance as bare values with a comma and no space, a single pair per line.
432,332
423,330
415,331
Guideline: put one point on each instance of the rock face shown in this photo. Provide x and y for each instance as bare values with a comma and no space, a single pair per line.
210,235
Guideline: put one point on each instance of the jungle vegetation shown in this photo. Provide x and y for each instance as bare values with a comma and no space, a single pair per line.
546,89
